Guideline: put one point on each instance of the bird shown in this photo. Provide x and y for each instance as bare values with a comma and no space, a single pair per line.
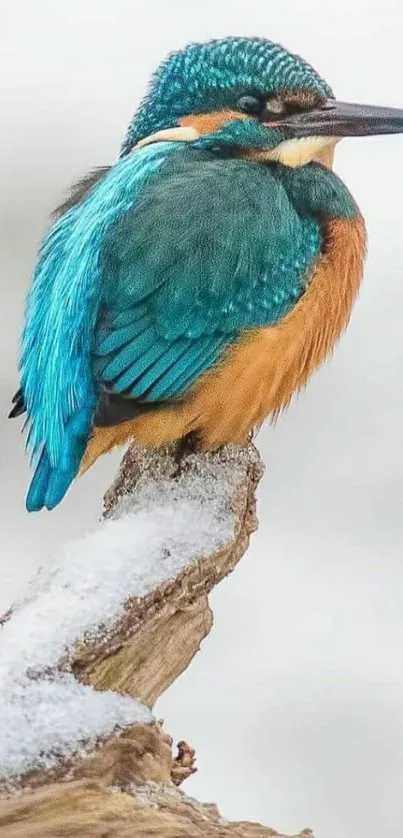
185,293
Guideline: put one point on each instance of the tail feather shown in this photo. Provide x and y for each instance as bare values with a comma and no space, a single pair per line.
58,484
50,483
37,490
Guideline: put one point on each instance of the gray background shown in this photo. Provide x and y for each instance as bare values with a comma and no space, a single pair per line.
295,703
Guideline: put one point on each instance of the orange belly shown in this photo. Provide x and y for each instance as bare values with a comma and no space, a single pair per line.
260,374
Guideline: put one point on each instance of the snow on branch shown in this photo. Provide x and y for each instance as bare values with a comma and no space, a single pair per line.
81,662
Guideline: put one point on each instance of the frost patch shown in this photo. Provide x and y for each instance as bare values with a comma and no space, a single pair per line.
164,526
52,718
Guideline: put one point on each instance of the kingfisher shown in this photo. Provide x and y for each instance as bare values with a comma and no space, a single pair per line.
189,290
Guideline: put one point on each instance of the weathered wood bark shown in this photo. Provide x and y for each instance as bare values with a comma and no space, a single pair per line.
128,784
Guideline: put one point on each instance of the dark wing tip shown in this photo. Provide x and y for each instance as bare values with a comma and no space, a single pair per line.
19,405
17,396
114,408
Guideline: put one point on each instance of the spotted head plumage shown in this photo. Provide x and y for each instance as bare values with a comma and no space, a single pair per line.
205,77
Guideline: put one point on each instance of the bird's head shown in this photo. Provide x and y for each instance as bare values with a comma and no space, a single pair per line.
253,97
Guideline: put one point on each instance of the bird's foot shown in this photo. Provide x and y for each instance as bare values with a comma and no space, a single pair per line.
189,444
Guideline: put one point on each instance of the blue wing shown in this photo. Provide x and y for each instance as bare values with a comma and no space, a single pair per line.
62,309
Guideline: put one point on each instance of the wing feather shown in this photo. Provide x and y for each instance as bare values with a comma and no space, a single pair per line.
58,385
210,249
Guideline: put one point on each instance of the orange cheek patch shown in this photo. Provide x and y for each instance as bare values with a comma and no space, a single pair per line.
207,123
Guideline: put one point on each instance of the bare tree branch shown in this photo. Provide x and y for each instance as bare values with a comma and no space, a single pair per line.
126,783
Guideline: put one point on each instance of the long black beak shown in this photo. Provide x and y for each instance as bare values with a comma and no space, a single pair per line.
342,119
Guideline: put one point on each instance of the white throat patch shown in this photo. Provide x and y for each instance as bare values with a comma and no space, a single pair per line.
298,152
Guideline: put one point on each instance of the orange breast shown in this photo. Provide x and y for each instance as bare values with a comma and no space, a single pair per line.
260,374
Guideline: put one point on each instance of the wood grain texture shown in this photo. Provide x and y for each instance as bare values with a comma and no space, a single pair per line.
176,614
87,809
128,784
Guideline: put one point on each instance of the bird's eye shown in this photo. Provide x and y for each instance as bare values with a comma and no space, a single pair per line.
250,104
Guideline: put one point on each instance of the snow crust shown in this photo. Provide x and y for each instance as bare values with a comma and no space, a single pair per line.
165,525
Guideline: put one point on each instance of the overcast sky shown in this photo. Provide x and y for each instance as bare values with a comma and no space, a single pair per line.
295,703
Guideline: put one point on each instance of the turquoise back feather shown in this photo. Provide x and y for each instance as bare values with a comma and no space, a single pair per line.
211,248
62,308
